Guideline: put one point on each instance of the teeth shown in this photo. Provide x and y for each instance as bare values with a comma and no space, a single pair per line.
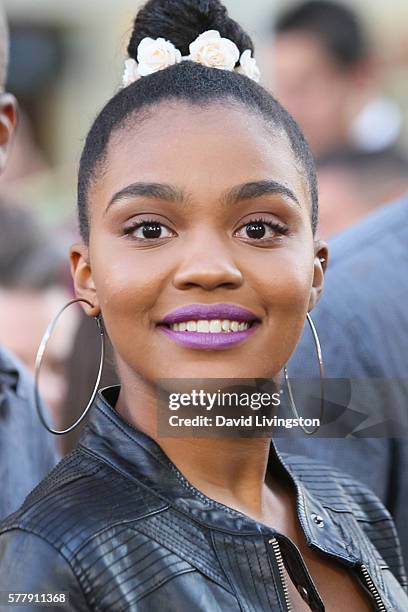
203,327
215,326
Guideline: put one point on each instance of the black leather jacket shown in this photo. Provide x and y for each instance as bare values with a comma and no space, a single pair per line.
117,527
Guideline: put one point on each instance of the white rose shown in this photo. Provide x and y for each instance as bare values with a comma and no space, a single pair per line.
249,67
131,73
156,54
209,49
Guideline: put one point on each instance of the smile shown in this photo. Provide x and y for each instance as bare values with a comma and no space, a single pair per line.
214,326
209,326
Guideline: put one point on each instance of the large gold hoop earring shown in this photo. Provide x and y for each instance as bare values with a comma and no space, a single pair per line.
38,362
321,369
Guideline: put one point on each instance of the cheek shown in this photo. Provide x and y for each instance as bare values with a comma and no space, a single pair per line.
283,278
127,286
285,294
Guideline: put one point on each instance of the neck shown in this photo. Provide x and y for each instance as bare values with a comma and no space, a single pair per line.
229,470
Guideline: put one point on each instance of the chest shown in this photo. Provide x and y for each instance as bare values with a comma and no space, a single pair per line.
338,587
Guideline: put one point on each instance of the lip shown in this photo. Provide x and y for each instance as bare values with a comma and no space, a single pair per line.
209,342
206,312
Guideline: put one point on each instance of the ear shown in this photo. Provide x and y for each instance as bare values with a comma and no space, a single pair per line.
8,120
321,256
82,276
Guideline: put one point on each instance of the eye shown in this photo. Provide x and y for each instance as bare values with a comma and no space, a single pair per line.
149,230
261,230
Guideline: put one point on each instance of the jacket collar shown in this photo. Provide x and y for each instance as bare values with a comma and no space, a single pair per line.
140,458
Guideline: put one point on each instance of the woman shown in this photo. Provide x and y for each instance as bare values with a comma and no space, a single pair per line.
197,207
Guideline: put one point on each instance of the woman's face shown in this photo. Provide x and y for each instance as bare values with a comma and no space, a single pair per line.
196,208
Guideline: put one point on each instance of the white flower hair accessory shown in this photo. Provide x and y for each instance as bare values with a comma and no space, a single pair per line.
152,55
131,72
249,67
213,51
208,49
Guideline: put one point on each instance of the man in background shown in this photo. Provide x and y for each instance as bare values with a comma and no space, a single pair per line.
324,71
27,451
322,66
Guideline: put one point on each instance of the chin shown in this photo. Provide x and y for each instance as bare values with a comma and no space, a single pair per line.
203,369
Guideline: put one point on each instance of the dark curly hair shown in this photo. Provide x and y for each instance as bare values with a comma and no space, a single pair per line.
181,21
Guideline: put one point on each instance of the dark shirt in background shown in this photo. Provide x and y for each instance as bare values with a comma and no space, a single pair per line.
27,450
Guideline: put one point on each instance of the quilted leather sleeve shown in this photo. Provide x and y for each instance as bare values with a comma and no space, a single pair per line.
28,564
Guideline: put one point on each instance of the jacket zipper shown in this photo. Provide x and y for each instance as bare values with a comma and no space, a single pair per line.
368,580
281,567
373,589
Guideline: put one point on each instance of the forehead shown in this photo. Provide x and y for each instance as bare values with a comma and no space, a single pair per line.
205,150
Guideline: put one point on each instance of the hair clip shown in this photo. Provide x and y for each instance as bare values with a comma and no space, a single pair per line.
208,49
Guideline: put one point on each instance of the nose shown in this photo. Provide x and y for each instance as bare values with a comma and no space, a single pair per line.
208,265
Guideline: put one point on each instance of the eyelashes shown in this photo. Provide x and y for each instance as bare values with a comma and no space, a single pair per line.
150,228
258,229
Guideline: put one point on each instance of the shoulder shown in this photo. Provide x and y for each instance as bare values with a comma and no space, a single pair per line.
81,497
31,565
365,256
322,479
342,493
360,242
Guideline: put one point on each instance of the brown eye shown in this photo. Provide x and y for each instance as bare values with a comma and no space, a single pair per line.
152,230
255,230
149,230
261,230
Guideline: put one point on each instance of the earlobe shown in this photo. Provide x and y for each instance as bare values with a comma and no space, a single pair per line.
321,256
8,120
82,277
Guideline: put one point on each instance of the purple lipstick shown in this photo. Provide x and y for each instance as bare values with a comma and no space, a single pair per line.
209,326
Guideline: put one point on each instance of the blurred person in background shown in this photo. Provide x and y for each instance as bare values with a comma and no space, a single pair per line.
27,451
32,291
324,70
353,184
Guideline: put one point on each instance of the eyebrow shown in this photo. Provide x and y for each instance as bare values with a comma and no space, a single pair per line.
249,191
168,193
158,191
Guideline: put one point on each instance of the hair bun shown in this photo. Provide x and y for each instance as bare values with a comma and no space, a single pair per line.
182,21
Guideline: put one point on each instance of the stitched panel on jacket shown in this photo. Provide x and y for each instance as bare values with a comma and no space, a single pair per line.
245,561
336,489
320,481
73,467
189,541
382,535
91,503
120,566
